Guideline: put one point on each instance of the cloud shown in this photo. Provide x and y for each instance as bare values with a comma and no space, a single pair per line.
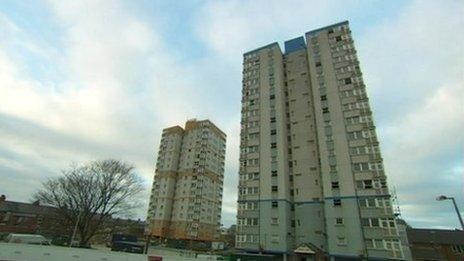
93,112
121,86
413,67
409,57
230,28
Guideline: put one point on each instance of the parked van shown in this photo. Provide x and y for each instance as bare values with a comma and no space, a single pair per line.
27,239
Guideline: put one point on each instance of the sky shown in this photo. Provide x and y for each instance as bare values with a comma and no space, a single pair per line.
95,79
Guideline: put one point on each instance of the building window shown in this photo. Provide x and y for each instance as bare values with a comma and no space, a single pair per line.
275,238
348,80
341,241
275,204
272,97
335,185
375,222
274,188
339,221
274,221
458,249
273,145
337,202
325,110
361,166
274,173
273,119
369,243
6,217
338,38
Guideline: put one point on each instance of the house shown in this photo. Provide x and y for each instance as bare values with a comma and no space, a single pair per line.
30,218
436,244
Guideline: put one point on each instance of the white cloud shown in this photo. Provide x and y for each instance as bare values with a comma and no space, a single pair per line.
231,28
433,127
406,59
121,86
413,67
98,110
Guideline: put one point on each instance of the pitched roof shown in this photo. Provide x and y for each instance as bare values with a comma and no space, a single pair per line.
436,236
25,208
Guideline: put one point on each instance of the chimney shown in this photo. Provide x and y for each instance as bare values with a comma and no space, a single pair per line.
2,198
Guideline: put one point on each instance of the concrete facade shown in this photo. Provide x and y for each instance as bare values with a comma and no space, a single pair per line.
186,199
310,165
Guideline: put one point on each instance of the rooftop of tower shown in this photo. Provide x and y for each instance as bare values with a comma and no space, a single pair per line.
326,27
297,43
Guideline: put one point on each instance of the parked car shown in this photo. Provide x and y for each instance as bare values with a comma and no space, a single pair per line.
126,243
27,239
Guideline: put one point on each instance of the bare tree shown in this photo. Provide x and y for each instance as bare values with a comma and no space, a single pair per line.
91,194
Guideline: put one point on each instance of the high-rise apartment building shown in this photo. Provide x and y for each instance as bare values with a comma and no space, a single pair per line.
186,197
311,173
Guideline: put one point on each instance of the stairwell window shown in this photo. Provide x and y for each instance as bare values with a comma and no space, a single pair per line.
341,241
274,221
275,238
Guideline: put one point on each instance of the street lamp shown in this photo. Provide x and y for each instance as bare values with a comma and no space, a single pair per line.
442,197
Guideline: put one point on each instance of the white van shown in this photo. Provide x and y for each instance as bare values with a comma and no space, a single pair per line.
27,239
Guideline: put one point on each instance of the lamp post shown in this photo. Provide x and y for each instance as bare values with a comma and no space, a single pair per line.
442,197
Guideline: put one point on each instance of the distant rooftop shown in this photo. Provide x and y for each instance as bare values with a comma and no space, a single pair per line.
438,236
25,208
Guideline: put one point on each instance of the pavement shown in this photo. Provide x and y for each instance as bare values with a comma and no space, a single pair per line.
23,252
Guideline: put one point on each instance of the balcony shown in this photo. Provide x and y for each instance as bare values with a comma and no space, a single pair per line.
372,192
377,211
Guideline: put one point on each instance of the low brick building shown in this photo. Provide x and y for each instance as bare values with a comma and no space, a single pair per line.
30,218
436,244
33,218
